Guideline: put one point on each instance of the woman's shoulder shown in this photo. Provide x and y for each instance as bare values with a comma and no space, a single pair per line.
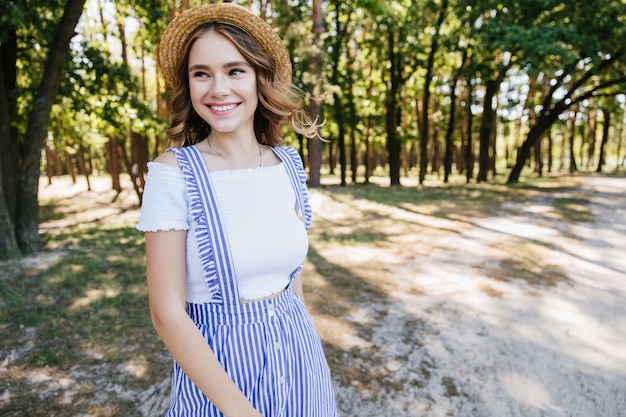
165,166
167,158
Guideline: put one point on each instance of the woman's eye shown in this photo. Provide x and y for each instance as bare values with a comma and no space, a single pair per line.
236,71
199,74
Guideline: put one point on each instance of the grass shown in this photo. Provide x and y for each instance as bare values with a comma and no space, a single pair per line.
85,310
75,321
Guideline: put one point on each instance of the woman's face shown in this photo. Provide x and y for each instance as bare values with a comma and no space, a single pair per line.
222,85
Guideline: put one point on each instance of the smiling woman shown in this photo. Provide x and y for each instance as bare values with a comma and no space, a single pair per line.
224,287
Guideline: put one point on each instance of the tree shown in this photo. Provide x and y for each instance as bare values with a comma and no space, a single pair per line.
315,145
588,45
10,18
424,125
609,107
23,179
337,77
452,117
399,24
8,243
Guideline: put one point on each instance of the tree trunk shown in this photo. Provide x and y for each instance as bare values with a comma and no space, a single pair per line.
563,146
82,166
315,145
425,125
368,157
538,158
572,156
354,166
469,149
424,120
493,148
341,140
550,146
352,117
591,149
449,144
27,225
544,121
620,139
605,138
9,138
114,164
436,153
332,158
8,243
139,157
486,127
393,147
49,163
69,165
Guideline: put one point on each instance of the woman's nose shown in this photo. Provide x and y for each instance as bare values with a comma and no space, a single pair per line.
220,86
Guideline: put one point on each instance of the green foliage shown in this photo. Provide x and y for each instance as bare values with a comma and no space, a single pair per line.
101,94
32,25
552,42
38,18
151,15
10,17
375,7
551,32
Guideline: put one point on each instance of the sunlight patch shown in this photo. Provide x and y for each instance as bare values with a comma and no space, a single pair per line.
526,391
92,296
340,333
137,370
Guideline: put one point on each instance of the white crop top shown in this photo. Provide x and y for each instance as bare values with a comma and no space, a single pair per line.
266,237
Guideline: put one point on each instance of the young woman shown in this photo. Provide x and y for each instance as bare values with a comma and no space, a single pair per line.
226,215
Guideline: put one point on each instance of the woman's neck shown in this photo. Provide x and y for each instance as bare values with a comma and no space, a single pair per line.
235,151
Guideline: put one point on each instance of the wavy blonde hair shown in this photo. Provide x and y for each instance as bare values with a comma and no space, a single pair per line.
279,102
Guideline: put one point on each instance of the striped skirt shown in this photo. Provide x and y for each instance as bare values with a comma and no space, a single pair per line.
273,353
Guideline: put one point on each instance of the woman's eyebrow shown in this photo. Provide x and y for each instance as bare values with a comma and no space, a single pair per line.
236,64
198,67
226,65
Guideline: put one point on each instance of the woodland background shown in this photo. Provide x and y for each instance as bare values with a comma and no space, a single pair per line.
463,88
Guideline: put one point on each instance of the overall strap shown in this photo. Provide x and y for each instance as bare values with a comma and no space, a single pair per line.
215,253
297,175
295,169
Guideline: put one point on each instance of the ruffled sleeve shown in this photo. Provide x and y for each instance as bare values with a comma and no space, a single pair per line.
165,203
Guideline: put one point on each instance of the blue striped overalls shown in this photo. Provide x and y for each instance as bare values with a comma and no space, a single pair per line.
270,348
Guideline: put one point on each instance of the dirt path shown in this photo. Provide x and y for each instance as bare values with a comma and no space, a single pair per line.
469,337
520,314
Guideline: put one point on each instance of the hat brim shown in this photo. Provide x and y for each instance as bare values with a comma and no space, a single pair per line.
183,26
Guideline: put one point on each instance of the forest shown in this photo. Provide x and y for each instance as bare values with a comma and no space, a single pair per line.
463,88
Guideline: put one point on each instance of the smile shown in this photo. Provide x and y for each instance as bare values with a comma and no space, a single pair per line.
224,108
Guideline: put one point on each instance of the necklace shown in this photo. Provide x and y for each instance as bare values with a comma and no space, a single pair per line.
231,162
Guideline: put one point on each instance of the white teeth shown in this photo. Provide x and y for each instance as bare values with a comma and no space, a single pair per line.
224,108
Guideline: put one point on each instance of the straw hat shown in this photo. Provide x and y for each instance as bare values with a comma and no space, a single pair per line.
184,25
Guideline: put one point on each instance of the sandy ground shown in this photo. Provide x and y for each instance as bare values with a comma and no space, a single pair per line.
461,335
458,342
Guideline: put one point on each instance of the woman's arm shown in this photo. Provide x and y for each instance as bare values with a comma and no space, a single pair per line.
166,270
